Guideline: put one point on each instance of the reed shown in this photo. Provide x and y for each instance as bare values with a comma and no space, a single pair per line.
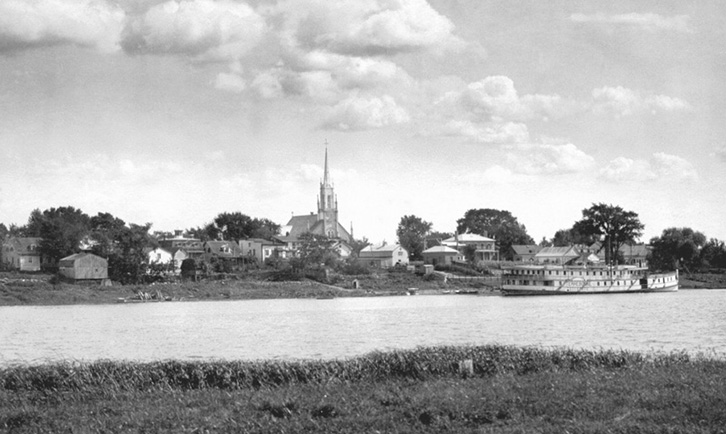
419,364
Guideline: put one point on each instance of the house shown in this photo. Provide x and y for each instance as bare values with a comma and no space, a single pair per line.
83,266
522,252
557,255
384,256
635,254
161,255
193,247
441,255
485,247
158,255
261,249
228,250
21,253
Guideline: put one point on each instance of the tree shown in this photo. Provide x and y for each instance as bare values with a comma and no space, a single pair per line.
435,238
569,237
4,232
676,248
501,225
611,225
411,233
358,245
713,254
316,250
61,230
237,226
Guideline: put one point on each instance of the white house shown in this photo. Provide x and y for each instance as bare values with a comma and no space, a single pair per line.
384,256
485,248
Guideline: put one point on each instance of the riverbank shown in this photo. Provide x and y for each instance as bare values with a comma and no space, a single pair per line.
37,289
451,389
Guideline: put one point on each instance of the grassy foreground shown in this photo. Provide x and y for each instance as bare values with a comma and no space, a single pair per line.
508,390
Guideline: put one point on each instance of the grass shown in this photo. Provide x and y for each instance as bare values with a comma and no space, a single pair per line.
36,289
509,390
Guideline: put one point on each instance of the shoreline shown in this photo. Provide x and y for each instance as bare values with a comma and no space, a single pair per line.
35,290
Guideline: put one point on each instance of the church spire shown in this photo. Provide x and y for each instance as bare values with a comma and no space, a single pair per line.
326,175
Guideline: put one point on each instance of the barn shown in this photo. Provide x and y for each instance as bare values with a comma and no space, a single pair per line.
83,266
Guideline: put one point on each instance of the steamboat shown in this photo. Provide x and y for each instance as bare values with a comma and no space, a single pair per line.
548,279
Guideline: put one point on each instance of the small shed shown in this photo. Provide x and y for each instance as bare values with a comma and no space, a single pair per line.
441,255
83,266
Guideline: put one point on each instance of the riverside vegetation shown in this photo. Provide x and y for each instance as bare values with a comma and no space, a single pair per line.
502,389
43,289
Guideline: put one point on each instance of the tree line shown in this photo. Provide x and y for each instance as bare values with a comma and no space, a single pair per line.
610,225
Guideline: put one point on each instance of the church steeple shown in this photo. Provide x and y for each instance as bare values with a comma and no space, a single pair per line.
327,202
326,174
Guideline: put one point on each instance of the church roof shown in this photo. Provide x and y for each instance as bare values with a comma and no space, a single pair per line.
299,224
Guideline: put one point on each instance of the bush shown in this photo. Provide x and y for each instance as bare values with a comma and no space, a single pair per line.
354,268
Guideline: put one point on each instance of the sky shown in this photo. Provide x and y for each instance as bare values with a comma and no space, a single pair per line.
171,112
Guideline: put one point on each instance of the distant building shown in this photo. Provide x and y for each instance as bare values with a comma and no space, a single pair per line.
22,253
325,222
486,249
261,249
193,247
557,255
523,252
441,255
384,256
83,266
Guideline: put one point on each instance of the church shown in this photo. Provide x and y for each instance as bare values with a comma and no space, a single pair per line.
325,222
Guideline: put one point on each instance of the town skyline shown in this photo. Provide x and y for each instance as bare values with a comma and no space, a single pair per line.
172,112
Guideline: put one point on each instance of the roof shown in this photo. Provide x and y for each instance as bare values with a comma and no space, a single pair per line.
215,246
557,252
299,224
380,251
441,249
80,255
526,249
23,244
468,238
635,250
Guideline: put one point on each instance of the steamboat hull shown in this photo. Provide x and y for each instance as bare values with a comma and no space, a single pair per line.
562,280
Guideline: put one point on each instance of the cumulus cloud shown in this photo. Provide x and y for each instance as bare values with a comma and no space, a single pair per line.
205,30
496,98
646,21
88,23
621,101
659,166
366,27
548,159
365,112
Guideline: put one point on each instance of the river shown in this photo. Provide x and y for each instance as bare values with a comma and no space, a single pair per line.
690,320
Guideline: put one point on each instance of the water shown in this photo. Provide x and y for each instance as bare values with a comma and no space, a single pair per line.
691,320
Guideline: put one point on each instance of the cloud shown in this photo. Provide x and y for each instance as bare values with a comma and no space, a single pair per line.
659,166
621,101
365,112
204,30
366,27
88,23
721,153
230,82
495,133
548,159
496,97
647,21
